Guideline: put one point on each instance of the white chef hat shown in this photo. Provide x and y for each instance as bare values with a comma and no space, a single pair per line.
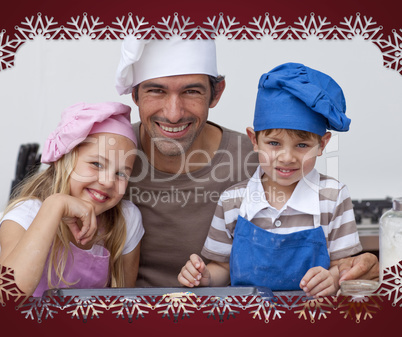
142,60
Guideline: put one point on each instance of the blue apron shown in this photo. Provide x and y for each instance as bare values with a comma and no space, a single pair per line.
277,261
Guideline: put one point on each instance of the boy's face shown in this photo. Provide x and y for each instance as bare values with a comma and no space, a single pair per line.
286,158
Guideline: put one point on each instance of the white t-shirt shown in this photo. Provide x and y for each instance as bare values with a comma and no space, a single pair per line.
25,212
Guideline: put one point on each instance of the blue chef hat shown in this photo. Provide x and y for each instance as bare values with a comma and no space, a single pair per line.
293,96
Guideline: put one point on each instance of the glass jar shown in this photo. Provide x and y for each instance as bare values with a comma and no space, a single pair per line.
391,236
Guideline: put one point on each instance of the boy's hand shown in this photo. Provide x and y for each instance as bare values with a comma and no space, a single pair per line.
319,281
194,273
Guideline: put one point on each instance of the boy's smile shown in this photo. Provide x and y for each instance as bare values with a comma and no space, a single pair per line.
285,157
285,173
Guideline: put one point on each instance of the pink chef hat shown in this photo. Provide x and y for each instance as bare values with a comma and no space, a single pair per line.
81,120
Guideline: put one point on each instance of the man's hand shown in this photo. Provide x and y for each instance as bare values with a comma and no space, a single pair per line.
364,266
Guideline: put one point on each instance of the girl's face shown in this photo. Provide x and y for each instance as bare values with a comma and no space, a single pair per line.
103,168
287,158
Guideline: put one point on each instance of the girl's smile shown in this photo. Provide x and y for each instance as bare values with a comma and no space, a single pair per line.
97,196
104,164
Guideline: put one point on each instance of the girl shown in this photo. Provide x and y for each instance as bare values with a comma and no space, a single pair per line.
68,225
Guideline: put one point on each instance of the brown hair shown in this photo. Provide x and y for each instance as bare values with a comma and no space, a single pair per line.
293,133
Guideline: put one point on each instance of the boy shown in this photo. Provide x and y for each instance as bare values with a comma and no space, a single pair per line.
287,227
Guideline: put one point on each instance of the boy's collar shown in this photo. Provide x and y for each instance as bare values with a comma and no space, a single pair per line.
305,197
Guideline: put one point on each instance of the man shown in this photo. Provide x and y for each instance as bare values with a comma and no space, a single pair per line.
184,162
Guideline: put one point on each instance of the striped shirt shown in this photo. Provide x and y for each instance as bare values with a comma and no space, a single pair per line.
317,200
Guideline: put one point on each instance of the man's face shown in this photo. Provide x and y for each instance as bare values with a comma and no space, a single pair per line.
174,110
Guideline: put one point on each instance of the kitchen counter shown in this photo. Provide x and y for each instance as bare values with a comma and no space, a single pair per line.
368,213
369,236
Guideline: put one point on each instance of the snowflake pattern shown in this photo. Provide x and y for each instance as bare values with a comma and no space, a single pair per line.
177,305
307,27
359,307
8,288
89,307
184,304
222,308
391,285
136,306
265,308
38,309
315,309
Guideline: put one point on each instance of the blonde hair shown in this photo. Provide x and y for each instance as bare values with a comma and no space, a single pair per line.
55,179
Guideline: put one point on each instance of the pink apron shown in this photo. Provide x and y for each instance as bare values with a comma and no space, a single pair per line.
84,268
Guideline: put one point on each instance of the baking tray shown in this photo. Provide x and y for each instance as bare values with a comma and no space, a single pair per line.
220,292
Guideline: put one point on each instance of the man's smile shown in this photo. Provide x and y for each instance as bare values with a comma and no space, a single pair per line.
173,129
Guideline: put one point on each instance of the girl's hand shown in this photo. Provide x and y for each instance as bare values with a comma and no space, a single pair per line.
319,281
194,273
79,216
26,251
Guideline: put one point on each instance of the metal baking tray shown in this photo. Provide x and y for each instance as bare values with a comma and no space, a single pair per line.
220,292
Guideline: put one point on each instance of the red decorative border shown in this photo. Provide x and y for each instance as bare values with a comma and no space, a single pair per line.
307,27
341,315
179,306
